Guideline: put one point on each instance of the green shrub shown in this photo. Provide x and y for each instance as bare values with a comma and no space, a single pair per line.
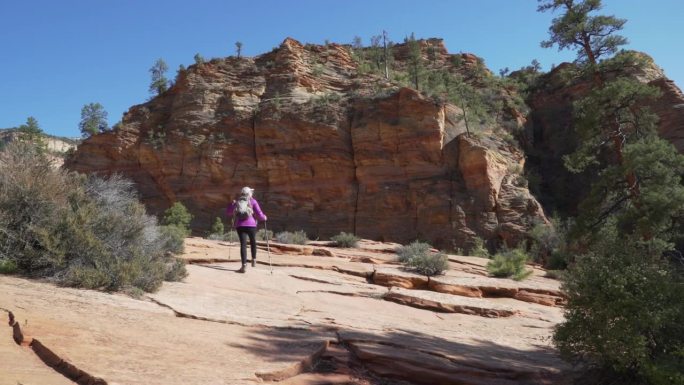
175,270
134,292
418,257
624,311
8,266
82,231
217,227
345,240
263,235
178,215
429,264
173,238
231,236
555,274
413,250
509,263
549,243
294,238
479,249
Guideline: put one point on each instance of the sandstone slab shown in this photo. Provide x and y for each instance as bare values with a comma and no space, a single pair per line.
396,277
306,321
125,341
449,303
537,290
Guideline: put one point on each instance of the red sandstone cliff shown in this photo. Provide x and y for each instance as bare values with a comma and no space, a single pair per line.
327,148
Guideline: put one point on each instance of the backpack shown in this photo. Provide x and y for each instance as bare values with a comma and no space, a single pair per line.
243,208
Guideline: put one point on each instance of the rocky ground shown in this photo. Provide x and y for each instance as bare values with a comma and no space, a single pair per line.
319,315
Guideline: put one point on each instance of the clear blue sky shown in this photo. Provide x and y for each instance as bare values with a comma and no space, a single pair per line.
59,55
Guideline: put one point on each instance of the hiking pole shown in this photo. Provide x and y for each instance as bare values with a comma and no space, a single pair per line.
268,248
230,234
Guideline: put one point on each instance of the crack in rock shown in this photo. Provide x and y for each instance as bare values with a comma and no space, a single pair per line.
222,321
49,357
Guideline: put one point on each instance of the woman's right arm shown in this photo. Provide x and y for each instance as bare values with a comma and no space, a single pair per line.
230,209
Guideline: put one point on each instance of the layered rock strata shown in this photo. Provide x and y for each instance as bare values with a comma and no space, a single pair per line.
327,147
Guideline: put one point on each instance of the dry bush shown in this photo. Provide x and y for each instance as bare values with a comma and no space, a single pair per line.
81,231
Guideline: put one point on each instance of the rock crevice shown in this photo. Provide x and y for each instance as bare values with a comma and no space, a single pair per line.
49,357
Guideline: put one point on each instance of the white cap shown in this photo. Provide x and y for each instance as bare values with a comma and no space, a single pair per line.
247,191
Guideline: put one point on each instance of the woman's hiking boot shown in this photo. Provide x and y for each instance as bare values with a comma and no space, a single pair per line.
243,268
253,262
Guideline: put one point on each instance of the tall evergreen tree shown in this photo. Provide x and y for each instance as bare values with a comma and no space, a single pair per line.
610,117
624,310
159,82
375,52
357,43
93,119
416,65
238,48
466,97
386,53
31,131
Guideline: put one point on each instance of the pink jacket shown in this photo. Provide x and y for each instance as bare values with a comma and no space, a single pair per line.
251,221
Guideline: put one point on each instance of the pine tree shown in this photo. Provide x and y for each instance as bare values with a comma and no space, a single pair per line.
93,119
386,53
31,131
466,97
375,52
217,227
159,83
416,63
179,216
238,48
610,118
624,311
357,43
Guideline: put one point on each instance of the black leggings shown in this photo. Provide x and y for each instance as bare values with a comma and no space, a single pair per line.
243,233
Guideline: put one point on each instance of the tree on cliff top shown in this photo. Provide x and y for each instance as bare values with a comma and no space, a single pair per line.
624,312
159,82
594,35
610,118
93,119
31,131
238,48
416,67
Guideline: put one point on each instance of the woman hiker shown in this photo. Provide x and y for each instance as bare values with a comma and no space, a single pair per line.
246,211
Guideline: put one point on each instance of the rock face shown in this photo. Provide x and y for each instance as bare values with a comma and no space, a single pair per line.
553,134
328,148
